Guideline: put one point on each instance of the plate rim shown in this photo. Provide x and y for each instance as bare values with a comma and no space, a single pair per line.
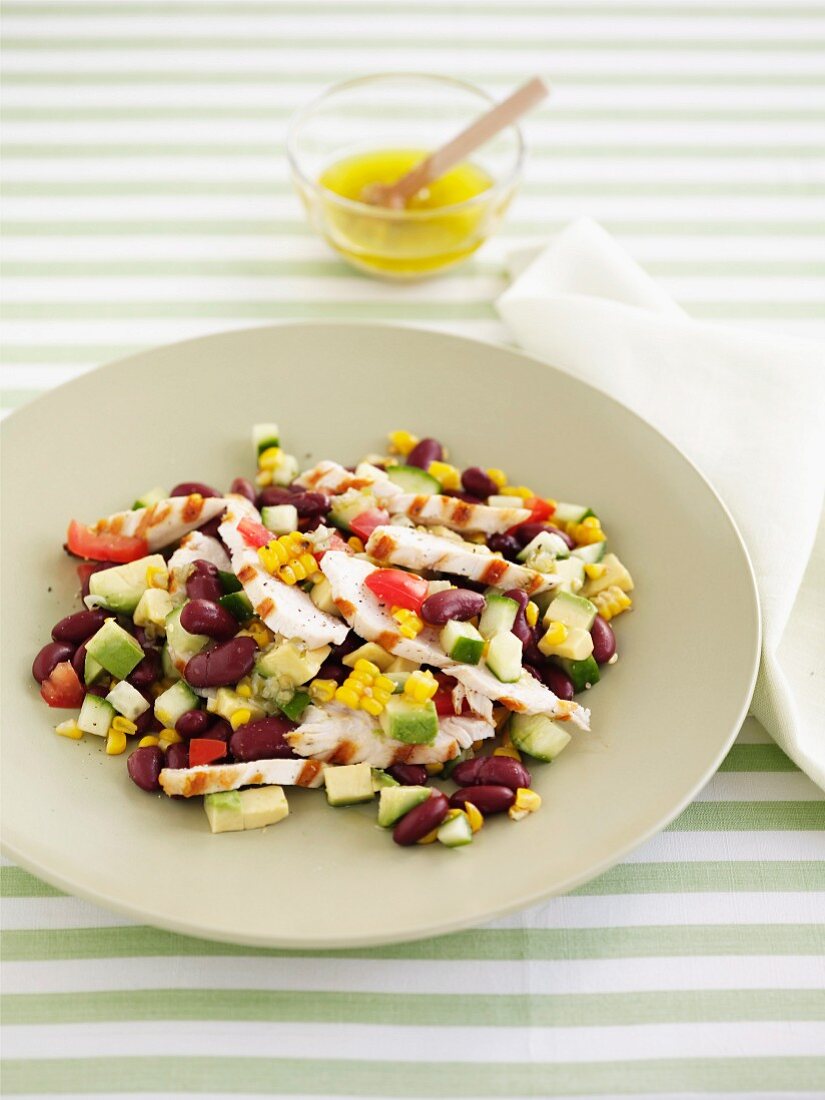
54,878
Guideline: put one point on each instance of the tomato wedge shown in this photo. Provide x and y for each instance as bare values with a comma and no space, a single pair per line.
63,688
205,750
397,588
83,542
540,509
254,534
364,525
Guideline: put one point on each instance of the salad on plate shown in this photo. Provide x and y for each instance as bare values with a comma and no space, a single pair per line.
372,630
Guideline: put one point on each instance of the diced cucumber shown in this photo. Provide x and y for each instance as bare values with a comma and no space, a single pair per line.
229,582
412,479
348,784
238,604
296,706
151,496
590,554
127,700
346,506
584,674
410,722
395,802
571,610
545,548
119,589
281,519
166,664
265,436
538,736
96,716
570,571
462,642
498,615
382,779
92,670
504,657
455,832
115,649
577,646
174,702
570,513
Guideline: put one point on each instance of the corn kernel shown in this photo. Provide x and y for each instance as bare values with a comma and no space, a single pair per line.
322,691
498,477
348,696
586,532
123,725
363,665
69,729
260,632
244,690
434,769
556,633
516,491
531,613
430,837
371,706
448,475
421,686
594,570
153,577
240,717
612,602
148,742
409,624
509,751
115,742
474,816
527,802
169,737
270,458
591,521
402,442
263,478
356,544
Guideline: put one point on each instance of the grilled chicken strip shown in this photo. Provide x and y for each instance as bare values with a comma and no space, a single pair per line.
165,522
210,778
526,695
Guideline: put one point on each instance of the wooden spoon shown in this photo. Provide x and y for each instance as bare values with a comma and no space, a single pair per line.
396,195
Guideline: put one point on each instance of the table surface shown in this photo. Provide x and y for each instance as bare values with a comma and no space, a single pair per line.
147,200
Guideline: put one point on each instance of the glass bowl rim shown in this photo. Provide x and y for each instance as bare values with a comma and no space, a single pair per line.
301,115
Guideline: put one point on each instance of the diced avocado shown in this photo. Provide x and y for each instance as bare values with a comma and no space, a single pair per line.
382,779
262,806
590,554
455,832
348,784
167,666
175,701
462,642
280,519
412,479
395,802
293,708
346,506
227,702
321,596
182,645
127,700
576,646
584,674
224,811
571,610
414,723
265,436
498,615
401,664
545,548
369,652
115,649
614,573
504,657
570,513
119,589
238,604
570,571
538,736
92,670
153,608
96,716
229,582
151,496
290,663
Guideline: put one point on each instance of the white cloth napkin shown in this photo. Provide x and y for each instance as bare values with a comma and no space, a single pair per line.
747,408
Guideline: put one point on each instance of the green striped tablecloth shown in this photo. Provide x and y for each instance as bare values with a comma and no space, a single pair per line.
146,200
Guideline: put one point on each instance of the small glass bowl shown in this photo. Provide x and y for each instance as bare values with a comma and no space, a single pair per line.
399,111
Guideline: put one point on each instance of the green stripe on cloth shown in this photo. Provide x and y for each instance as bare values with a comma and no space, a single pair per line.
414,1010
744,816
408,1079
649,941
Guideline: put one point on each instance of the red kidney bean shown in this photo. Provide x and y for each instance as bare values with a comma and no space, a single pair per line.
79,662
85,571
140,637
211,527
79,627
488,798
534,672
505,544
460,495
223,664
220,730
97,689
604,640
421,820
558,681
452,603
243,487
528,531
465,774
309,505
520,597
144,767
206,617
335,672
177,756
262,740
202,582
349,645
477,482
425,452
193,723
502,771
147,671
187,488
409,775
49,657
